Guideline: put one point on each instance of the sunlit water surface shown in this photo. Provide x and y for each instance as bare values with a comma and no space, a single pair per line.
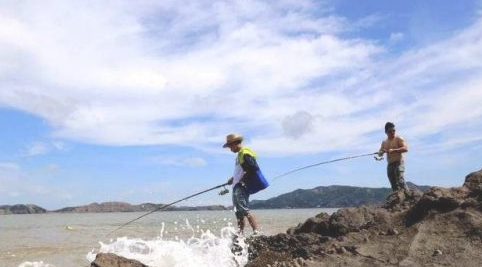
176,238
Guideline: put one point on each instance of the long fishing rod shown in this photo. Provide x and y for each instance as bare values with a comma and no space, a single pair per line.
321,163
163,207
222,185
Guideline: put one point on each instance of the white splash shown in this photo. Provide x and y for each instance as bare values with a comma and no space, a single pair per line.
206,251
35,264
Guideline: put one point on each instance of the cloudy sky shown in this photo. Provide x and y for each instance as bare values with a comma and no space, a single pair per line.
131,101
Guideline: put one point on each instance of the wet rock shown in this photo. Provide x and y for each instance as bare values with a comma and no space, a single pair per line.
113,260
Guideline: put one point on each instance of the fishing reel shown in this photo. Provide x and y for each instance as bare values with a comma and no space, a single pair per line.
379,155
378,158
224,191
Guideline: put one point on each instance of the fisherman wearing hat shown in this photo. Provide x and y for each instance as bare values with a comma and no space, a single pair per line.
247,179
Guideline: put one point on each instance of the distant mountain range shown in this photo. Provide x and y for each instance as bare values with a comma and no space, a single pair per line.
126,207
334,196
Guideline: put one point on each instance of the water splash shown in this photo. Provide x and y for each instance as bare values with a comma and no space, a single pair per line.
35,264
208,250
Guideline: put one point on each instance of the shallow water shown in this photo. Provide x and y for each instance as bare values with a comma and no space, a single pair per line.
175,238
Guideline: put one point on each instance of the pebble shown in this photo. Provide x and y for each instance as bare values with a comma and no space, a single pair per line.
437,252
392,231
341,250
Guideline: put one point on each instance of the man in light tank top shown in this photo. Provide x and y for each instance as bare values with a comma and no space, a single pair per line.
394,146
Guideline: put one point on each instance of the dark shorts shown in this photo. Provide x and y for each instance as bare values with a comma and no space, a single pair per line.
395,173
240,201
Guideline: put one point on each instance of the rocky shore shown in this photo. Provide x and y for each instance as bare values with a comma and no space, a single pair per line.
442,227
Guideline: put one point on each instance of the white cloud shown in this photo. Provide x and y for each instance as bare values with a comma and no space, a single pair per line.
40,148
9,166
179,161
188,72
36,149
396,37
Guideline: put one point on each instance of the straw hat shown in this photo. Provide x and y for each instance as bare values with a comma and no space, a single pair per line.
231,138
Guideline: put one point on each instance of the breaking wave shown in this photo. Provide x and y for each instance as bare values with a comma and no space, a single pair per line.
206,250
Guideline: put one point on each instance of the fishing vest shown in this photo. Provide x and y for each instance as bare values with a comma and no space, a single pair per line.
255,181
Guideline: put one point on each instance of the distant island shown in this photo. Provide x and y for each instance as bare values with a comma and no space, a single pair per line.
334,196
21,209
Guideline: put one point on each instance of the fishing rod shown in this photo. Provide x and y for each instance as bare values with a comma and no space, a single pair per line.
324,162
163,207
225,191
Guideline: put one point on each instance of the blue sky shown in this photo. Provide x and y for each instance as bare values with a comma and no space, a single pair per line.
123,101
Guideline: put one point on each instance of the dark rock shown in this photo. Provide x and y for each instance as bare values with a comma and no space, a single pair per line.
392,231
473,181
404,232
437,199
349,220
113,260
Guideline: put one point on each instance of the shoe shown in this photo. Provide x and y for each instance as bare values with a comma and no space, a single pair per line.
255,233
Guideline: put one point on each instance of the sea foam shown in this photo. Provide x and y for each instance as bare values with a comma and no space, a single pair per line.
35,264
206,250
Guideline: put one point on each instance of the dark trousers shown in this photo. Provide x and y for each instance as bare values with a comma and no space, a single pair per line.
395,171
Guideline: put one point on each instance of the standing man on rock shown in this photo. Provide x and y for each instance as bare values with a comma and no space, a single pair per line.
247,179
394,146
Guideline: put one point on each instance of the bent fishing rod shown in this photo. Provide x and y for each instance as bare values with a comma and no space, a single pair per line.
163,207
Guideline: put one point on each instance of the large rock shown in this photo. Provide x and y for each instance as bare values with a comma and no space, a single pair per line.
442,227
113,260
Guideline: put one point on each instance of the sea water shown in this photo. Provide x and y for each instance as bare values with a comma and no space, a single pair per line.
175,238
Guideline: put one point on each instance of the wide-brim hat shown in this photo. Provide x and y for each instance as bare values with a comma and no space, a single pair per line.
231,138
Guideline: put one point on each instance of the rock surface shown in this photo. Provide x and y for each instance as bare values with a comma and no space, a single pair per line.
112,260
442,227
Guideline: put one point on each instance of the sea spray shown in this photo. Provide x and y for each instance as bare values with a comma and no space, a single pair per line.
35,264
204,251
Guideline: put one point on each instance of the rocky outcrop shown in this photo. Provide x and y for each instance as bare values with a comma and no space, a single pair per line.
21,209
112,260
442,227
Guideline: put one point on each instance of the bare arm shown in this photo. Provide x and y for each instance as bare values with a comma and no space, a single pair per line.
381,151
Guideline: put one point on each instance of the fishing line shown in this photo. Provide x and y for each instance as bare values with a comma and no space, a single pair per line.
163,207
224,191
321,163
